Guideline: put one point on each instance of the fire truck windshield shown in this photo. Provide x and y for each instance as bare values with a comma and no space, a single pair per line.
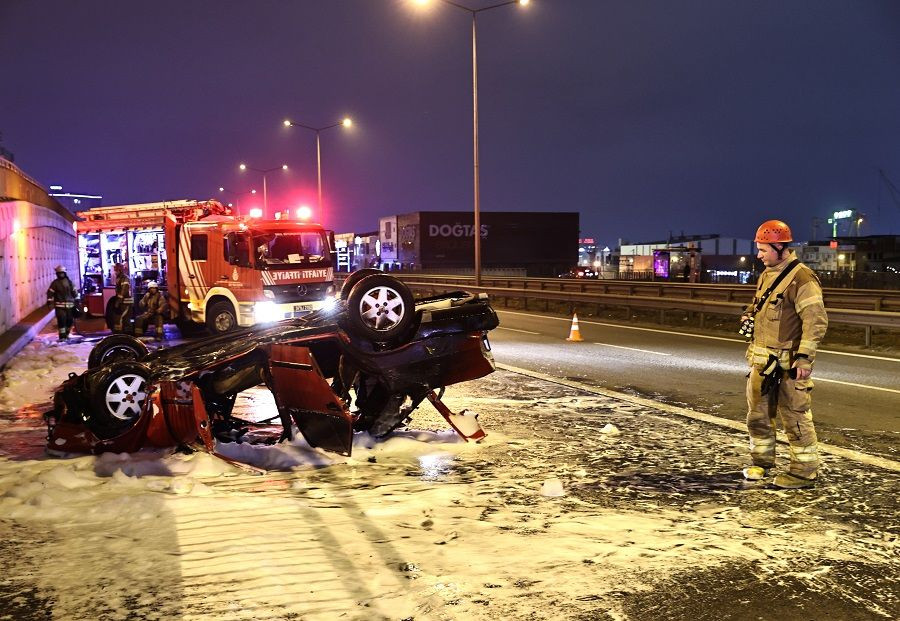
278,248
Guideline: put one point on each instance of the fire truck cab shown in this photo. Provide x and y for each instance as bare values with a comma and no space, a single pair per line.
216,269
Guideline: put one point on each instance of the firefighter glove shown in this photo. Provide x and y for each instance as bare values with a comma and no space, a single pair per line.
772,375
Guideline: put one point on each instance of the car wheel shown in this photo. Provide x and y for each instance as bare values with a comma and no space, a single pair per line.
117,394
354,278
116,347
380,308
220,318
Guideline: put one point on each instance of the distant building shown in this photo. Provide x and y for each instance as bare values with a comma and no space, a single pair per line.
588,255
356,250
828,256
690,258
876,253
387,235
526,243
869,262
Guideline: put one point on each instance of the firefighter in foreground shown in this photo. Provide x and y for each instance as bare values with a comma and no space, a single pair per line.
124,302
62,297
154,305
786,322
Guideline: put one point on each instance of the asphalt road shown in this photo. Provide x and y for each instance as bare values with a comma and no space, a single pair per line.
856,400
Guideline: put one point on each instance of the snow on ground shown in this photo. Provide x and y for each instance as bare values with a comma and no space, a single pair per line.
575,507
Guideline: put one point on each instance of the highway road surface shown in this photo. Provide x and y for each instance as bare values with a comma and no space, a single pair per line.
856,399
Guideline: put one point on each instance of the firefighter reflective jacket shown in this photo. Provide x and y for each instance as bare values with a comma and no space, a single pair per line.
123,289
154,303
793,319
61,293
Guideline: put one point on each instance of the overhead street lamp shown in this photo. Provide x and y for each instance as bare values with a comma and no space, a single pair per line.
264,172
346,122
237,196
477,207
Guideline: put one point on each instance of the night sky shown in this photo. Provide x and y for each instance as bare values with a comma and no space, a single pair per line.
647,117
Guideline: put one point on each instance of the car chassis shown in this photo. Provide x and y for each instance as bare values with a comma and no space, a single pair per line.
363,365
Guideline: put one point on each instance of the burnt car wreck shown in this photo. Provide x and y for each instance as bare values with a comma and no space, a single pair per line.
364,365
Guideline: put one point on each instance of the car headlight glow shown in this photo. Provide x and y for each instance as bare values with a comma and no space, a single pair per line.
269,294
265,311
329,303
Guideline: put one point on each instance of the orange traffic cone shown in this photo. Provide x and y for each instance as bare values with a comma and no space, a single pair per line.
575,333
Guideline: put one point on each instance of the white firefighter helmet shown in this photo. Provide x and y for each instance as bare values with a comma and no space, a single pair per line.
60,268
152,285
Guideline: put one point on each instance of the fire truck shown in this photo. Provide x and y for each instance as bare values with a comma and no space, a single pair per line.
216,269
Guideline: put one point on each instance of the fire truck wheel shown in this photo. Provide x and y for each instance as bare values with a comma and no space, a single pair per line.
116,347
354,278
220,318
110,312
117,394
380,308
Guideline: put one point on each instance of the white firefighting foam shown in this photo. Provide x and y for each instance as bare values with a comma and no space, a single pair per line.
418,525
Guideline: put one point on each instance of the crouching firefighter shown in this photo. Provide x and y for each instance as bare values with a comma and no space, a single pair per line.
154,305
785,324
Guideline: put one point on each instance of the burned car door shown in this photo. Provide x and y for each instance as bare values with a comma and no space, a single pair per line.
303,395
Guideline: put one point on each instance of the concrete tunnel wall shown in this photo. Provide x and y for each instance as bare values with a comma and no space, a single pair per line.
33,241
36,235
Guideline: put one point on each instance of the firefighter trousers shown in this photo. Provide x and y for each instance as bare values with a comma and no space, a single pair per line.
140,324
794,406
120,316
64,321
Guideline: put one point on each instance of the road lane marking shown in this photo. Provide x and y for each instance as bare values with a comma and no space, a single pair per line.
648,351
516,330
831,381
864,458
696,336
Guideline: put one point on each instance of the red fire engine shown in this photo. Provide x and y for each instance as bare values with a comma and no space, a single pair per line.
217,269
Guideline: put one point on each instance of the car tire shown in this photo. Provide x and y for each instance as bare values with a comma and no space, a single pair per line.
380,308
354,278
117,394
221,318
116,347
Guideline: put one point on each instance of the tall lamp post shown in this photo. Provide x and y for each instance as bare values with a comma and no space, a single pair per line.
346,122
264,172
477,208
237,196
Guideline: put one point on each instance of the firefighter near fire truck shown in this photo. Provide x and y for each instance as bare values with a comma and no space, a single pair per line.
154,306
123,302
785,324
205,262
63,298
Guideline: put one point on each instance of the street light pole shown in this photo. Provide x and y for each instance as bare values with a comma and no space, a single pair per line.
475,171
237,196
319,172
264,172
346,122
477,179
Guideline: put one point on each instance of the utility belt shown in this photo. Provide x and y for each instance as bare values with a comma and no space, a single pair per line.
760,356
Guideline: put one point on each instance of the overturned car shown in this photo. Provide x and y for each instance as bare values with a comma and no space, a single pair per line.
363,365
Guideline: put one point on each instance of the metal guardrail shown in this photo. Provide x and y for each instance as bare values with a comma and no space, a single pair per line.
864,308
837,298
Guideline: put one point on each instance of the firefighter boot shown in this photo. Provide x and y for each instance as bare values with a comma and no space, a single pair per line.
787,480
755,473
